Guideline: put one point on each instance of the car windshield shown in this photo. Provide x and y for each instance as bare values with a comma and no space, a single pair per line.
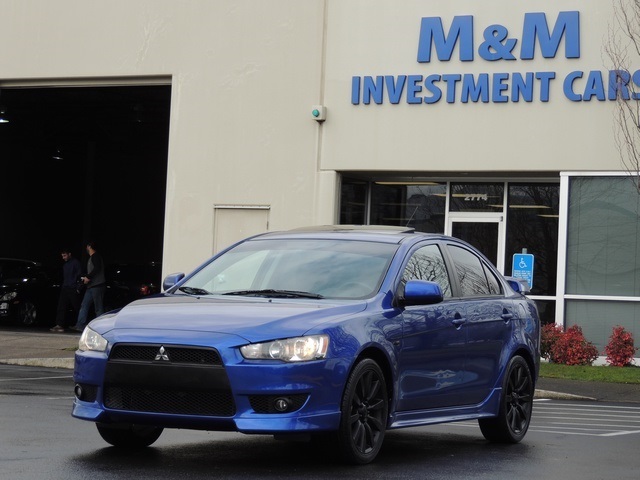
297,268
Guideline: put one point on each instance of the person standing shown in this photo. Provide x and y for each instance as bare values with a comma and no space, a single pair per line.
95,281
69,296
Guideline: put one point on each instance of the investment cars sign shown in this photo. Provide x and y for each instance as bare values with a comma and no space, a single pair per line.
538,36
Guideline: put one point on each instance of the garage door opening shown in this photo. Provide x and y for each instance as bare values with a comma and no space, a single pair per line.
80,164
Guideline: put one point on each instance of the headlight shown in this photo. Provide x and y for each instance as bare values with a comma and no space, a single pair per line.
301,349
93,341
8,296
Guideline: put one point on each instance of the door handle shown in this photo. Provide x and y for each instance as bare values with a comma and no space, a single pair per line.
458,322
506,317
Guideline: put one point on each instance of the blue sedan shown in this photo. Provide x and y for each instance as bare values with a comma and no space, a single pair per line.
339,333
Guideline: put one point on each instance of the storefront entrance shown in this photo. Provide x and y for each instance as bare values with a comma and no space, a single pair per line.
483,231
500,218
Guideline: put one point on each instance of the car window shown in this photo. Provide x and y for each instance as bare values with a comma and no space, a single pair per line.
470,272
495,287
240,273
330,268
427,263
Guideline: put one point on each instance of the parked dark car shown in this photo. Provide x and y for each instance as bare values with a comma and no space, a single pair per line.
129,282
28,292
340,333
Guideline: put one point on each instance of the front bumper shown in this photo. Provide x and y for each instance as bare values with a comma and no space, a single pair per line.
232,394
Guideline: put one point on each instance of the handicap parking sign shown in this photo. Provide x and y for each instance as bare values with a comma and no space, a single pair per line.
523,267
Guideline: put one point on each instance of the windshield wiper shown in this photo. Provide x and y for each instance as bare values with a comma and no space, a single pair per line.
269,292
194,291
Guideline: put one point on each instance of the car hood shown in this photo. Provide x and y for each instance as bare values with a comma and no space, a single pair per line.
252,319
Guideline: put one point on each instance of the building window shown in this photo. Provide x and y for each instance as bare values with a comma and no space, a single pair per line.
603,251
421,206
532,226
353,202
477,197
603,256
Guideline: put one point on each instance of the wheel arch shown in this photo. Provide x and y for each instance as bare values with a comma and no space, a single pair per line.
526,355
378,356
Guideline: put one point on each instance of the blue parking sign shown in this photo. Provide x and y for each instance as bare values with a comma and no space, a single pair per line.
523,267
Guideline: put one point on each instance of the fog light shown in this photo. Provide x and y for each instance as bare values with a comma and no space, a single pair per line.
282,404
78,391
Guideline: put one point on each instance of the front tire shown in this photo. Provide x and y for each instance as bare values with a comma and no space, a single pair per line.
364,408
129,436
28,313
516,405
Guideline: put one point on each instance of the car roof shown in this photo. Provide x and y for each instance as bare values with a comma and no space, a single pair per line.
19,261
373,233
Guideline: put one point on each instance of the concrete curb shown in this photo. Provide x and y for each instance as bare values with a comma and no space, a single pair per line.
549,395
40,362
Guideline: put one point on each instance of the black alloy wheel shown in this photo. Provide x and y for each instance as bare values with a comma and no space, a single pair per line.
28,313
365,406
516,405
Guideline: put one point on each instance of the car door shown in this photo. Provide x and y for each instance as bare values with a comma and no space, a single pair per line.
431,361
489,321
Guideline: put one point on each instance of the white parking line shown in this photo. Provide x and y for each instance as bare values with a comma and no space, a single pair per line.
589,420
585,419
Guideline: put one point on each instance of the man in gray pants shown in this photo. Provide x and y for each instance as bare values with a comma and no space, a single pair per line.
95,282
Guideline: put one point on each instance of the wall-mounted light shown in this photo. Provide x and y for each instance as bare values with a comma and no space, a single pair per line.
319,113
57,155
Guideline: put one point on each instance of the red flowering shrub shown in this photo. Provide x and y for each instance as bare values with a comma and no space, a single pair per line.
620,349
549,335
571,348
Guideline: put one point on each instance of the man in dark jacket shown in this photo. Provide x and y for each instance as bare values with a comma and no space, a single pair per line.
69,296
95,281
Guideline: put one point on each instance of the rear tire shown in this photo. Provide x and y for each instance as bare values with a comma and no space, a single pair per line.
129,436
516,405
365,406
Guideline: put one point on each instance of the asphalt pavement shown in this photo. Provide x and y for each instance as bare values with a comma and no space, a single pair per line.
39,347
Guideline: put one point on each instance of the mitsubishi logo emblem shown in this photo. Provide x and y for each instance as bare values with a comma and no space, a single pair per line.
161,355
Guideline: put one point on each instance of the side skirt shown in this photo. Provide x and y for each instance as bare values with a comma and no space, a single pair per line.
488,408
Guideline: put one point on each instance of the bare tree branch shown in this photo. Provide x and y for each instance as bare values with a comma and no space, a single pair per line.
623,36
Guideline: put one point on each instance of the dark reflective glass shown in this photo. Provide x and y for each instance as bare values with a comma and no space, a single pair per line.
532,224
482,235
470,272
353,202
427,264
476,197
419,206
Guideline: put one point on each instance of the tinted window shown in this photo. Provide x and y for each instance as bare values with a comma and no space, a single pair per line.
470,272
427,263
495,287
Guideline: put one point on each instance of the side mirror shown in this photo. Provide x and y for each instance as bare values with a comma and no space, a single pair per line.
171,280
421,292
519,285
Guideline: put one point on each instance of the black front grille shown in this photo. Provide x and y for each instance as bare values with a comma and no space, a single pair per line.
174,379
164,400
175,354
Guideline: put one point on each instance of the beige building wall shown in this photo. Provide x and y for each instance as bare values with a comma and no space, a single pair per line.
382,39
245,73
